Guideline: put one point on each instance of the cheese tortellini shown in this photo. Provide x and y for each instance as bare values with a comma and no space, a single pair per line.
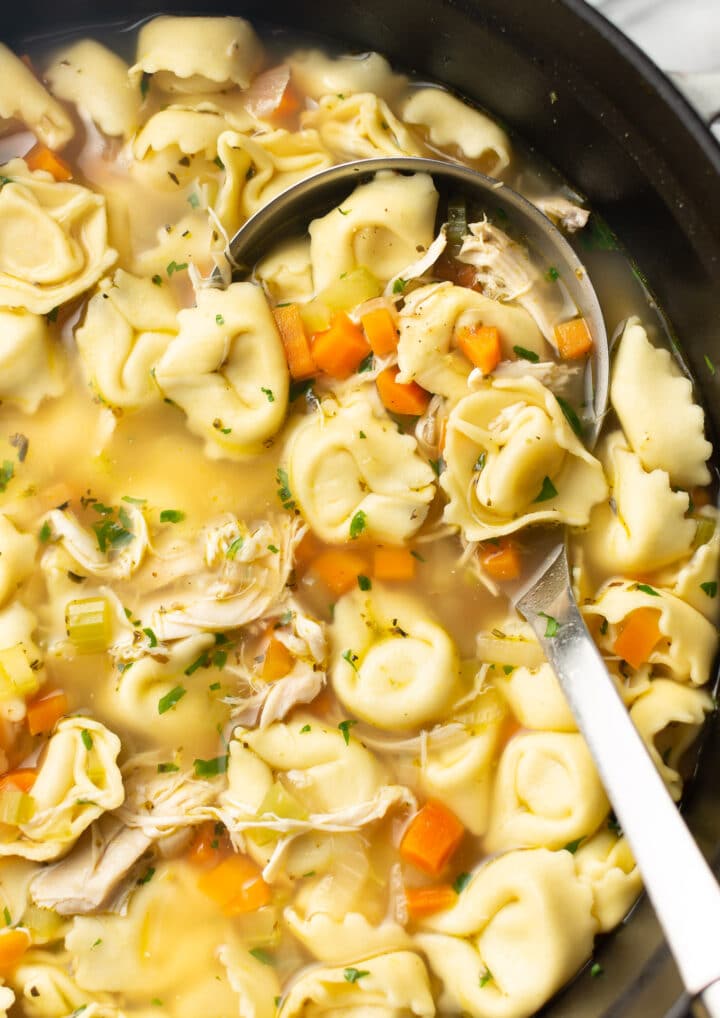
53,239
77,781
351,465
227,370
513,459
520,929
29,368
361,126
391,664
23,98
96,80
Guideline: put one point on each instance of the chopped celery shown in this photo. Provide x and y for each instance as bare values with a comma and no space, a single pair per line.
89,624
316,316
16,676
43,923
704,532
16,807
350,290
282,803
457,223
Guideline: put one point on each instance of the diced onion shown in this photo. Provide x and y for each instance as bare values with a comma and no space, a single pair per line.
266,92
16,807
16,676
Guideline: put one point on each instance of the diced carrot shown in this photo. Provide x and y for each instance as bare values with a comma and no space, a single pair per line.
209,846
393,563
401,398
573,339
45,710
297,346
380,331
339,569
306,550
236,884
500,559
639,635
40,157
424,901
339,350
13,945
289,103
432,837
481,346
23,779
278,661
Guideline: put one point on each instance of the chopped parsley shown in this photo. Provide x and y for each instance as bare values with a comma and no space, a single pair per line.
200,662
211,768
508,669
87,739
274,549
147,875
167,768
172,516
603,627
573,846
480,462
219,662
261,955
613,825
344,212
215,686
352,975
526,355
144,85
167,702
552,274
647,589
570,416
399,285
709,364
7,916
45,533
345,727
547,491
351,658
364,582
299,388
269,394
219,163
417,555
709,588
485,977
7,472
51,316
357,524
151,636
176,267
111,532
134,501
305,729
367,363
596,970
233,548
284,493
219,320
552,627
438,465
461,881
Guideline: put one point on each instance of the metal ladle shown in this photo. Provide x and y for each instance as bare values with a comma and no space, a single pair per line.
679,882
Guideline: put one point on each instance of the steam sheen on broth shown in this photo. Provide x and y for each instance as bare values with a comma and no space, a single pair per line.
272,740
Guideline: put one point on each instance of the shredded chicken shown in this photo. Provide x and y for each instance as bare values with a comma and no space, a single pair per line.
159,804
275,700
566,214
418,268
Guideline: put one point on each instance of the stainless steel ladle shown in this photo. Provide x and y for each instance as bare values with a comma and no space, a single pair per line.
681,886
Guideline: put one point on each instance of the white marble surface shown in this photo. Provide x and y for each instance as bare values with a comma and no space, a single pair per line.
682,37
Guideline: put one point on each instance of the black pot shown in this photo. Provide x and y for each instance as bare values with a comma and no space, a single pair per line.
623,136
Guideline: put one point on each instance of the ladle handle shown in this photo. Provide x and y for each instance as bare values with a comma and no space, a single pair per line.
679,882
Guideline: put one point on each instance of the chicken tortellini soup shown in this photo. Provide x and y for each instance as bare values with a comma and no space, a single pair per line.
273,743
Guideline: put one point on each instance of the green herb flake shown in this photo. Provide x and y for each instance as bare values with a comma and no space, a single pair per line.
345,727
96,943
214,687
508,669
709,364
552,274
552,627
219,662
7,472
87,739
172,516
480,462
144,85
193,200
211,768
596,970
176,267
156,1002
437,465
262,956
134,501
219,320
357,524
277,1001
352,975
526,355
270,395
344,212
399,285
51,316
167,768
147,876
364,582
485,977
366,364
200,662
305,729
709,588
151,636
167,702
614,826
351,658
461,881
45,533
284,493
603,627
417,555
219,163
7,916
233,548
570,416
647,589
573,846
547,491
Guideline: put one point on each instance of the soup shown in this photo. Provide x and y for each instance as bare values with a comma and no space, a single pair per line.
273,741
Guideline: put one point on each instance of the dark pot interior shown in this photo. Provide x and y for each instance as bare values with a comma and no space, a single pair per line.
621,135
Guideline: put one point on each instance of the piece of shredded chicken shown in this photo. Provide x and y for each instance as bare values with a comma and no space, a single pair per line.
566,214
